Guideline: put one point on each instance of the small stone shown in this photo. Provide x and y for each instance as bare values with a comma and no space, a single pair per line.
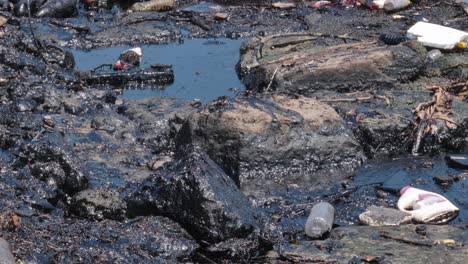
48,120
272,257
444,180
25,104
381,194
421,230
381,216
427,165
221,16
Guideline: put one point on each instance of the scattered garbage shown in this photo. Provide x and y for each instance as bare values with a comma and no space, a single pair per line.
392,5
318,4
6,257
320,220
434,55
458,160
381,216
437,36
57,8
153,5
426,207
283,5
392,39
128,59
104,75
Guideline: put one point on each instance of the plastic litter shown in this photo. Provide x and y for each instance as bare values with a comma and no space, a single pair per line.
437,36
392,5
434,55
426,207
458,160
320,220
153,5
392,39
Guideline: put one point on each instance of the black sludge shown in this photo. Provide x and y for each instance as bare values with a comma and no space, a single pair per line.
57,8
3,4
196,193
21,8
50,163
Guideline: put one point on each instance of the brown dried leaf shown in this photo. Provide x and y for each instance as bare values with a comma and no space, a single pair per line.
432,129
283,5
369,258
422,115
15,220
3,20
450,125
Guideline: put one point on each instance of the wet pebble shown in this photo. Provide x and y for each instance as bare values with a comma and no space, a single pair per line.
380,216
25,104
421,230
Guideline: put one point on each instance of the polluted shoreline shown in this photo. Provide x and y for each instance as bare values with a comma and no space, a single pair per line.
233,132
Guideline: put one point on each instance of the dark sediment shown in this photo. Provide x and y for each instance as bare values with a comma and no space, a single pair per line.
87,177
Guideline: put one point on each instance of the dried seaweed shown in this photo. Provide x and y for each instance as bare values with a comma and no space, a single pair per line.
438,108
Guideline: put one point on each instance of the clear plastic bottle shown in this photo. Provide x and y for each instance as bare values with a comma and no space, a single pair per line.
320,220
434,55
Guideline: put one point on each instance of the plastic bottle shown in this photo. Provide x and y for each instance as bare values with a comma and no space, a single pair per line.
426,207
320,220
437,36
391,5
153,5
434,55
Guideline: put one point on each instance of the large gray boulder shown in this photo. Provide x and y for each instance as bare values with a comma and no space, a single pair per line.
302,63
274,142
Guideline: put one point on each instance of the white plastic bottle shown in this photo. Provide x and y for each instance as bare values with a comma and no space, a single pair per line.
391,5
437,36
426,207
320,220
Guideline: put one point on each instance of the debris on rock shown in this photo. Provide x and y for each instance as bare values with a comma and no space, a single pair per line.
128,59
381,216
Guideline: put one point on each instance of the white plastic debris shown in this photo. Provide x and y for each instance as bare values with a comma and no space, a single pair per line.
426,207
437,36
